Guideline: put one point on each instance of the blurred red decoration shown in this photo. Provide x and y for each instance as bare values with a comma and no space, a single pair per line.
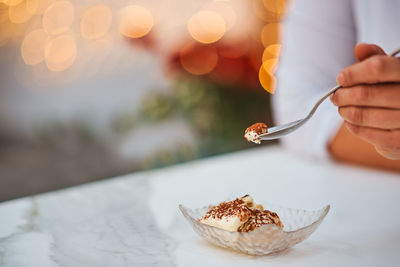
232,63
198,59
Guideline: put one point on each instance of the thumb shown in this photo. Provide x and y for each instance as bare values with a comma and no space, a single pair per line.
363,51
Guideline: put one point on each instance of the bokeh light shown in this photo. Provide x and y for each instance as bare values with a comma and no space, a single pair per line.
19,13
33,46
11,2
272,51
96,21
34,23
267,80
60,52
261,12
135,21
38,6
58,17
275,6
270,65
206,27
206,22
266,75
271,34
3,13
198,59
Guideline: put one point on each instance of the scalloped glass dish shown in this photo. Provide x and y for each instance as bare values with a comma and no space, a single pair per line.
297,226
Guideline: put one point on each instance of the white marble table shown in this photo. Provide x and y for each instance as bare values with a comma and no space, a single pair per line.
134,220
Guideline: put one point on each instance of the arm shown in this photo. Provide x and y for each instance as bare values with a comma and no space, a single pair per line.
348,148
318,42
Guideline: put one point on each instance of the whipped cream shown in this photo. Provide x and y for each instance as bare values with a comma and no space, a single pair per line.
252,136
229,223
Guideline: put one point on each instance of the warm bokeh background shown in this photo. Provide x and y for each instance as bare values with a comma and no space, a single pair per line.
93,89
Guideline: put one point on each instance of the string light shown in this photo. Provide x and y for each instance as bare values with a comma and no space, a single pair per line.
266,75
54,40
60,52
206,27
38,6
275,6
33,45
19,13
272,51
270,34
135,21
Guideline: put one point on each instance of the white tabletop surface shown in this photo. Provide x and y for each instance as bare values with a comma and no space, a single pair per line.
134,220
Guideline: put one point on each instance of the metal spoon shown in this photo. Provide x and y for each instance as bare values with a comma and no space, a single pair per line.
282,130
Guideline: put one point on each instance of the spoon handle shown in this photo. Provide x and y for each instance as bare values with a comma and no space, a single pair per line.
334,89
394,53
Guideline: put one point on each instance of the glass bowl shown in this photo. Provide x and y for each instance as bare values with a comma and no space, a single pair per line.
297,226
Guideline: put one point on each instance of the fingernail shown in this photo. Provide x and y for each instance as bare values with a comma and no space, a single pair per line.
340,79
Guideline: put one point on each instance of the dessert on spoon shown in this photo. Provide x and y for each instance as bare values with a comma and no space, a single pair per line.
252,133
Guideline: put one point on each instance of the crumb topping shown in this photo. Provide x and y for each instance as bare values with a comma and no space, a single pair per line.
258,128
251,215
260,218
236,207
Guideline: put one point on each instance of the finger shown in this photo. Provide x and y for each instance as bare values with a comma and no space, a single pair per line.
371,117
378,137
374,69
388,152
373,95
363,51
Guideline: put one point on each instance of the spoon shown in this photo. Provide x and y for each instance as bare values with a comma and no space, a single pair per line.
282,130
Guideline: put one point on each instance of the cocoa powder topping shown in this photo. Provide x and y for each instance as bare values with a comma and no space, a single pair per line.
252,216
258,128
236,207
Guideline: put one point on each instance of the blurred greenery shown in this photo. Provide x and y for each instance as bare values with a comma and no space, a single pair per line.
217,115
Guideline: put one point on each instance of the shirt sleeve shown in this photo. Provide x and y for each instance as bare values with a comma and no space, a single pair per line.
318,41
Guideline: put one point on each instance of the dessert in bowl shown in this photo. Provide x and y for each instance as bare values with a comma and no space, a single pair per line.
241,215
257,229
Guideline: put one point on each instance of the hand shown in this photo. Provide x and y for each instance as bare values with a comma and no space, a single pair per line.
369,101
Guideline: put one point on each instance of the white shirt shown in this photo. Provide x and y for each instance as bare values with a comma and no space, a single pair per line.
319,37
